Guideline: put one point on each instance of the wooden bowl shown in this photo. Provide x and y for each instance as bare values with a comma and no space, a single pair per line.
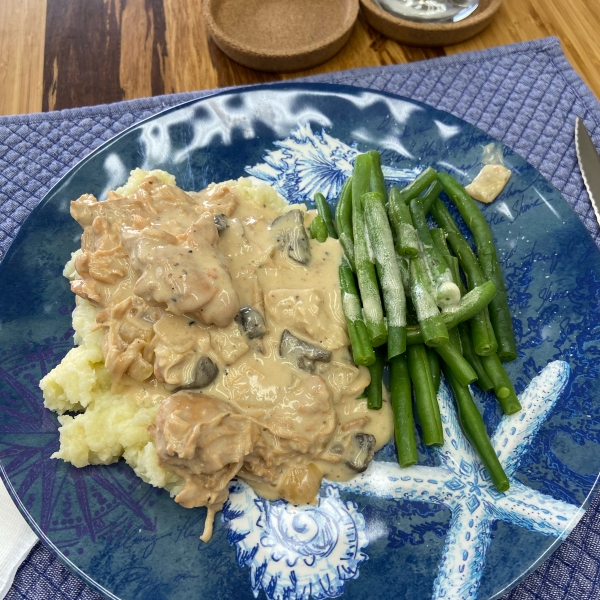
280,35
414,33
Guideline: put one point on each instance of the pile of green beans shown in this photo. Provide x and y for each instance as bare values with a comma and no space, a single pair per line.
395,266
486,250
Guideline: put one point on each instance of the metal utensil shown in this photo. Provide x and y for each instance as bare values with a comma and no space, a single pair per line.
430,11
589,163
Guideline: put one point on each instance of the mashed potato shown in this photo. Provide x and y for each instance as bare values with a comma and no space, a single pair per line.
111,426
138,175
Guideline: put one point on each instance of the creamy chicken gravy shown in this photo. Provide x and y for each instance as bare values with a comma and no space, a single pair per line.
200,294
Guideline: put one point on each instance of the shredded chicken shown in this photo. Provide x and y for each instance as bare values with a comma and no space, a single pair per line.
198,293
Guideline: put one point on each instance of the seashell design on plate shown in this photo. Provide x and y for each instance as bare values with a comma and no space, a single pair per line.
296,551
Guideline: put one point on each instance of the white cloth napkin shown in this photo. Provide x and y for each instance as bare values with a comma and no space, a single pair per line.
16,540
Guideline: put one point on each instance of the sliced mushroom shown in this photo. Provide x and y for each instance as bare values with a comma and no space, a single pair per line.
301,353
361,451
291,236
251,322
221,222
205,373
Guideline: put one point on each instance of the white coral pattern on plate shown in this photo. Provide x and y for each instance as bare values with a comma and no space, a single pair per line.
308,162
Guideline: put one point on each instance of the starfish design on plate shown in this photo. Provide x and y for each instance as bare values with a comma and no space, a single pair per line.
461,484
306,163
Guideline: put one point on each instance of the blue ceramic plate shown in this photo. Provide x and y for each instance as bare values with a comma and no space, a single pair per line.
438,529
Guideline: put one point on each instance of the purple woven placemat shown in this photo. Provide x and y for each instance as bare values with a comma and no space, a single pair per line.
526,95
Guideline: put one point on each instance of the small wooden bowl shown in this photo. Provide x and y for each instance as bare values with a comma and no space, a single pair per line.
280,35
414,33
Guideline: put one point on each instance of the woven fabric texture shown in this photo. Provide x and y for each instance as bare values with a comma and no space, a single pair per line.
526,95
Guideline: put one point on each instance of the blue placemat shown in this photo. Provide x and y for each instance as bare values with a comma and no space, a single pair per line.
526,95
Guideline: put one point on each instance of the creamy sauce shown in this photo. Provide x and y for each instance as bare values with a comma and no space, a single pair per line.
222,310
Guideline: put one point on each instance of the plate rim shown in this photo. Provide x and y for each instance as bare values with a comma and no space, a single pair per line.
307,86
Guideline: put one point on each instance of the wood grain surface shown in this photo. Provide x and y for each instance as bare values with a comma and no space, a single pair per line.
22,26
57,54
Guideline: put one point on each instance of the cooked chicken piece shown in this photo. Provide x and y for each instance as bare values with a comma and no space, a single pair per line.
304,312
205,441
182,351
249,290
127,345
217,199
103,260
344,378
303,417
229,343
186,273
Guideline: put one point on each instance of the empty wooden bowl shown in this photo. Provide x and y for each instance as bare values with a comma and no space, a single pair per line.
280,35
429,34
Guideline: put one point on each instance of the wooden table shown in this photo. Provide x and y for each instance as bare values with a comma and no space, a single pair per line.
58,54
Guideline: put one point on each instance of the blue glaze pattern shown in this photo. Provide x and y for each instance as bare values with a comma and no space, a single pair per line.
429,531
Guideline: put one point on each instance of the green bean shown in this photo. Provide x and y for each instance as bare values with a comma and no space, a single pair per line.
343,218
434,367
403,263
430,196
404,426
447,294
457,242
464,341
439,241
390,277
365,269
503,388
407,240
361,177
362,350
438,237
455,339
428,408
483,380
318,229
455,268
484,240
470,305
474,428
418,185
483,339
377,179
455,361
325,212
432,324
375,388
